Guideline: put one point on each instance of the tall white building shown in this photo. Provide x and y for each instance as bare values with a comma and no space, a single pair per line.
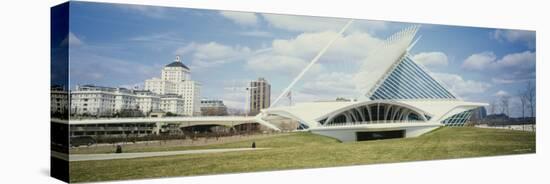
176,79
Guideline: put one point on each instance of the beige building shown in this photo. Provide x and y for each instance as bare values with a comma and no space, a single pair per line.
260,95
59,101
176,79
107,101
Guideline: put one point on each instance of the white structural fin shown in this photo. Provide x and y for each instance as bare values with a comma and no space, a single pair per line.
311,63
409,80
414,43
380,62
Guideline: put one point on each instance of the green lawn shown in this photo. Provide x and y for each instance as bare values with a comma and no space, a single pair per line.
306,150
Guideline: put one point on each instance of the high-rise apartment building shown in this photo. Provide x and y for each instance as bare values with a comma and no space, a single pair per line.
260,95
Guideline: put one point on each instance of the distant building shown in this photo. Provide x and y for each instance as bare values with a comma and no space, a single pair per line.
176,79
210,107
478,115
101,101
59,101
260,95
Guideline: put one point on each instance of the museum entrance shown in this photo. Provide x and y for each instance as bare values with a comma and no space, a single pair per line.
367,136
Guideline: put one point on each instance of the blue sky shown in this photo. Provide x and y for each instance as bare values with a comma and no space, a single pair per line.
123,45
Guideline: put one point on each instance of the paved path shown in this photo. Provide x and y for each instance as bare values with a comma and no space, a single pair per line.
111,156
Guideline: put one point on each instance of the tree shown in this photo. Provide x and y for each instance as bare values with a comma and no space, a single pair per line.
530,95
505,104
523,100
493,107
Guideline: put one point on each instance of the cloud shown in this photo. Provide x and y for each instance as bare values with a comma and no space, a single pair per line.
499,80
461,86
331,85
527,37
72,40
511,68
524,60
170,38
278,63
351,47
501,93
303,23
488,60
479,61
87,68
212,54
315,24
256,33
241,18
431,58
292,55
149,11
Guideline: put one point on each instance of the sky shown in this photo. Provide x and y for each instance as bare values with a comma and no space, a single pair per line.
121,45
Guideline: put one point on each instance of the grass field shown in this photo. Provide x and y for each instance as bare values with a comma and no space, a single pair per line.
306,150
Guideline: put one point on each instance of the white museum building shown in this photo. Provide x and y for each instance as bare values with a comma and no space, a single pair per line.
400,98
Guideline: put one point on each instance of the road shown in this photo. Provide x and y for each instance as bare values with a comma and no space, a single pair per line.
111,156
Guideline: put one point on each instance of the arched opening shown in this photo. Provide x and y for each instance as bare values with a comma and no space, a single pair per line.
373,113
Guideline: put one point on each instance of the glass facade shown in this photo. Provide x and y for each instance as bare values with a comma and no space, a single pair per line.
410,81
458,119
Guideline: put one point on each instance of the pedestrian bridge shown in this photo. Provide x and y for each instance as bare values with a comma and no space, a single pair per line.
182,121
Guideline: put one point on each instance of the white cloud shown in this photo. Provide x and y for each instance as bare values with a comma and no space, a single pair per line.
72,40
212,54
315,24
352,47
89,68
242,18
501,93
331,85
256,33
461,86
479,61
488,60
170,38
499,80
523,60
279,63
431,58
527,37
150,11
303,23
292,55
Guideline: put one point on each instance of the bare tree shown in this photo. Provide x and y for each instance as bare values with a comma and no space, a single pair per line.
505,104
530,95
492,107
523,100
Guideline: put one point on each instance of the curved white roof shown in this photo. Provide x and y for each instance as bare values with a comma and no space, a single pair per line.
310,112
